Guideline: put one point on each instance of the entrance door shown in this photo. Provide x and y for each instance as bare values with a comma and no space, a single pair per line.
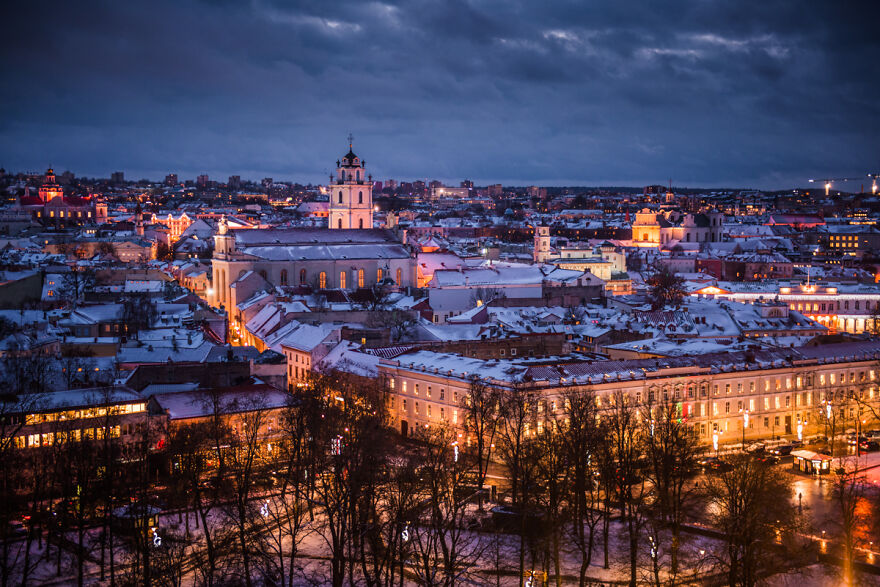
788,424
404,428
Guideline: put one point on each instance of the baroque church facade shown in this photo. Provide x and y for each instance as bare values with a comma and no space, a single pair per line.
348,255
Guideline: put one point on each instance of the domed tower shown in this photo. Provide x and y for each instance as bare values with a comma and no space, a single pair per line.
351,193
224,242
50,189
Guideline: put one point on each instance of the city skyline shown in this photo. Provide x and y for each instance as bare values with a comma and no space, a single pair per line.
521,94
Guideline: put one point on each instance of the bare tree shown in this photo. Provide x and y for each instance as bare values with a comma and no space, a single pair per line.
671,450
76,282
24,381
849,495
285,511
245,459
348,427
518,422
444,550
624,445
552,474
481,406
582,440
751,505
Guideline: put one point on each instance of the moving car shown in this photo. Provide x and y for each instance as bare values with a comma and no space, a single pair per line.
869,445
783,450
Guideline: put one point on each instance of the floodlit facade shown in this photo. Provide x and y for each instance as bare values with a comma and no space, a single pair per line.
745,395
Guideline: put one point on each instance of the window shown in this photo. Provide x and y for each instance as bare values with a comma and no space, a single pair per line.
322,280
399,276
360,278
442,394
302,276
360,197
342,279
378,275
340,196
339,223
360,222
284,277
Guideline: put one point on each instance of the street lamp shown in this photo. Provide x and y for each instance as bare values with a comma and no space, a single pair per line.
800,430
715,441
745,425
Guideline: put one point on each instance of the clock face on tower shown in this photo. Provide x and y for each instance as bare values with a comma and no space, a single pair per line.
351,194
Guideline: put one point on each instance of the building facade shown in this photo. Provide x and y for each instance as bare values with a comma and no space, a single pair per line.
736,397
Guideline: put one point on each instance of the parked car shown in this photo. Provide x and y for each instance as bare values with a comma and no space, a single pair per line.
16,529
769,459
873,434
756,448
713,464
853,440
869,445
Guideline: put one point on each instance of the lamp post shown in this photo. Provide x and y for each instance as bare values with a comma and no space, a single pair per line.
829,416
745,425
800,430
715,442
404,538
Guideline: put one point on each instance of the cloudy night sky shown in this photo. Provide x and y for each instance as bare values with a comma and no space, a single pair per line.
705,92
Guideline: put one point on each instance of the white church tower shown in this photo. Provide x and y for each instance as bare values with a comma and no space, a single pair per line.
351,193
541,251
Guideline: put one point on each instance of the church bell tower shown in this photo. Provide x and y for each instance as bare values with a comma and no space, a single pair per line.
351,193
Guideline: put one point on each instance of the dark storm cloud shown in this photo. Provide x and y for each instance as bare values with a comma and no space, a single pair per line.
707,92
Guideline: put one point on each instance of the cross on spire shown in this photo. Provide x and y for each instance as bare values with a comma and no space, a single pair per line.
350,141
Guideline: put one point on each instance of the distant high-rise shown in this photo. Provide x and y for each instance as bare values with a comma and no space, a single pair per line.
202,181
467,184
171,179
234,182
266,183
495,189
536,192
117,177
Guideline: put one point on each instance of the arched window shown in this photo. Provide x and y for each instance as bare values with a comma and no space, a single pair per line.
379,276
399,276
284,277
358,175
360,222
322,280
339,223
360,278
340,197
360,197
342,279
302,276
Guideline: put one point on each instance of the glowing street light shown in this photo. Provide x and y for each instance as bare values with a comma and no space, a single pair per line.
715,441
157,540
800,430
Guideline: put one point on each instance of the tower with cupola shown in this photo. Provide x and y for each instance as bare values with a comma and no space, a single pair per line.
351,193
